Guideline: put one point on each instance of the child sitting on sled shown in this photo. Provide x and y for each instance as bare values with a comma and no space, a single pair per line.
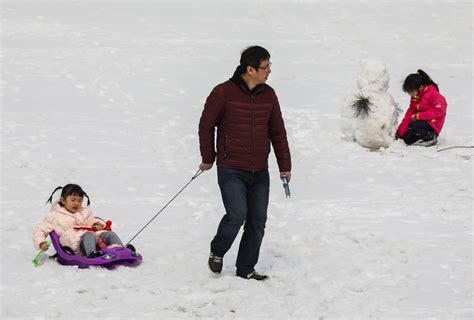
77,227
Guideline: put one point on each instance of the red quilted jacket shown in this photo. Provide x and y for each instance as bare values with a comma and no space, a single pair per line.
430,106
247,121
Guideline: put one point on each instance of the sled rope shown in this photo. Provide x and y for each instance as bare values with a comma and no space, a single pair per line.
466,147
194,177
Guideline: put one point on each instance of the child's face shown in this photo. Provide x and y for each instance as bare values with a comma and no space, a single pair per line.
72,203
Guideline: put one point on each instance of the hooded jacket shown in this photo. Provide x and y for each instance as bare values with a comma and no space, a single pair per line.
247,122
63,222
430,106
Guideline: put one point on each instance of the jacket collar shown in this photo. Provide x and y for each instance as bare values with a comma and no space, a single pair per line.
238,80
424,90
79,215
57,207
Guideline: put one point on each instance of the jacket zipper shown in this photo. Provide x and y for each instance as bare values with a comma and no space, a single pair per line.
225,146
253,131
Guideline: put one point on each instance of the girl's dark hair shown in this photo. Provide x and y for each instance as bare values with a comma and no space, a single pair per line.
252,56
415,80
70,190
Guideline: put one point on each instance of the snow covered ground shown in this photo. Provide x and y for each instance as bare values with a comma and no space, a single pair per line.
109,94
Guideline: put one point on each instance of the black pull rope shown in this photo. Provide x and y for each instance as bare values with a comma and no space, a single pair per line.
194,177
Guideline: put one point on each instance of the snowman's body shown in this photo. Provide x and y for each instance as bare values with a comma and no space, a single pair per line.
376,128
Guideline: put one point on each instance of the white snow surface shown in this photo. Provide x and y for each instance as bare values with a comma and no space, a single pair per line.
109,94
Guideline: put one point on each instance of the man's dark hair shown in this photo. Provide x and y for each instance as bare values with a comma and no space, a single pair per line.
252,56
415,80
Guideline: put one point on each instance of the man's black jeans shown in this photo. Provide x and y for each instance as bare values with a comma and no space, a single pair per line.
245,196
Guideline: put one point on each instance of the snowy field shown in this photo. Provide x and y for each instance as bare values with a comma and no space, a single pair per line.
109,94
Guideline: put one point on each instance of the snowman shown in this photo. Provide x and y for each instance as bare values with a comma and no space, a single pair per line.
369,116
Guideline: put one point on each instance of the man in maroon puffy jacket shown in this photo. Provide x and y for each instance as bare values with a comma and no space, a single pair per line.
247,115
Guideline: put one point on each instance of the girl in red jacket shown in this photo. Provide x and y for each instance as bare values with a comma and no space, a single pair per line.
424,118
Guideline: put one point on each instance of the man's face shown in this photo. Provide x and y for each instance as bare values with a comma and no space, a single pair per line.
263,71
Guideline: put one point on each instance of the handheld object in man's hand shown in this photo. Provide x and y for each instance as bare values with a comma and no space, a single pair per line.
286,186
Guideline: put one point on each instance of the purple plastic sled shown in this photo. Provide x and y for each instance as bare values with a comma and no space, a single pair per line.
112,257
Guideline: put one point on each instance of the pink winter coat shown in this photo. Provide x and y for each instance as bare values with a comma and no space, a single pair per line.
430,106
63,222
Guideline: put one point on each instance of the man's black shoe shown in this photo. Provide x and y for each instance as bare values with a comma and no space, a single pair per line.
215,263
255,275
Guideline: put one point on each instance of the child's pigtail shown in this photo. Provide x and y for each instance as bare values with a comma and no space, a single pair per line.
50,200
88,200
426,79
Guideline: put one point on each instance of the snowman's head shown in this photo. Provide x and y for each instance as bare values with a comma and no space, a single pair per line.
373,77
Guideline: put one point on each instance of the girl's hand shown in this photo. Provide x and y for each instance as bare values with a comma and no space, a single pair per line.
98,226
44,246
